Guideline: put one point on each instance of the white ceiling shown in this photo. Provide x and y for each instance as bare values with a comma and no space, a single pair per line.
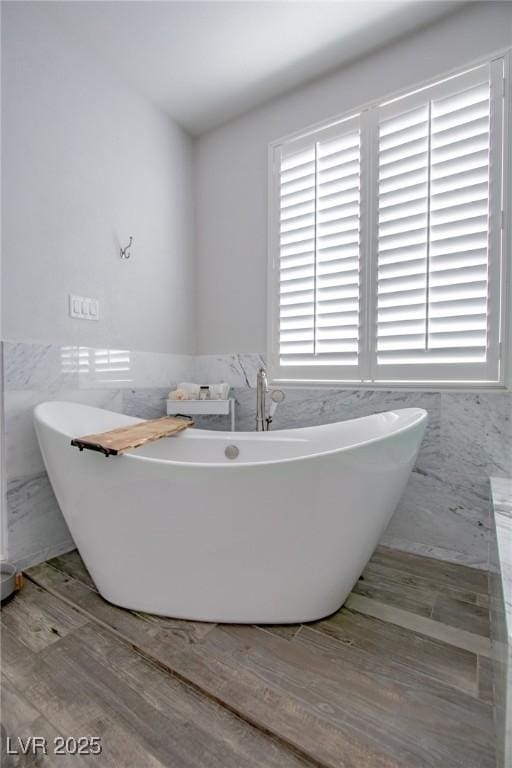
206,62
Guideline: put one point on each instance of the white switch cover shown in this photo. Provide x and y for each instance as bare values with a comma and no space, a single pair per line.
83,307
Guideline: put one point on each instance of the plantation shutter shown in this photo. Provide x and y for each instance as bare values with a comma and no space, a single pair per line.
386,244
318,318
438,206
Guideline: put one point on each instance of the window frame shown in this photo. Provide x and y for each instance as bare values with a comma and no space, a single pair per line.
330,375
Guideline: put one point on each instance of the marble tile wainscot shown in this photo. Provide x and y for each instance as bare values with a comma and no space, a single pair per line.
445,509
444,512
34,373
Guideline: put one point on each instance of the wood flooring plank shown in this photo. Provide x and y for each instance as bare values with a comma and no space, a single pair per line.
18,714
440,661
443,573
72,564
38,619
412,599
457,613
18,661
418,582
486,679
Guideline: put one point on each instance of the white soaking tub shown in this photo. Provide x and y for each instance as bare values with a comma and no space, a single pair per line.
279,534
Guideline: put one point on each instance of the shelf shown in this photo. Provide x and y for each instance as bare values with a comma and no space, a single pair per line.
203,408
198,407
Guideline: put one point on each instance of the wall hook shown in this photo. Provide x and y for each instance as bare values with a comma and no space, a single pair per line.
125,252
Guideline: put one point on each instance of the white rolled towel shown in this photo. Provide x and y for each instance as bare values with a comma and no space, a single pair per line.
178,394
191,389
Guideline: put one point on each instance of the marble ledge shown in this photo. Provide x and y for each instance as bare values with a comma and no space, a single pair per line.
501,489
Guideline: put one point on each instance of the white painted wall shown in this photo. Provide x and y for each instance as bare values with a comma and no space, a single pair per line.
231,166
86,163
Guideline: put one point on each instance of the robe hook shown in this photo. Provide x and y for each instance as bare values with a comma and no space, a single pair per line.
125,252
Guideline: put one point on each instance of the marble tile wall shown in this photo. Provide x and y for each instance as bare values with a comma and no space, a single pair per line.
34,373
444,512
500,591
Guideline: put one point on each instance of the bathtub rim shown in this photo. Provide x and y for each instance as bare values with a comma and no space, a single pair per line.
421,418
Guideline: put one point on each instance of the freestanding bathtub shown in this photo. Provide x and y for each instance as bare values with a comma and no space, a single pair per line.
279,534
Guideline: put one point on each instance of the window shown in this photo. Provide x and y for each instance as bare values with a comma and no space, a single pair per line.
386,240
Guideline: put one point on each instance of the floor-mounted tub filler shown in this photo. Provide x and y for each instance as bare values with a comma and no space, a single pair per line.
269,527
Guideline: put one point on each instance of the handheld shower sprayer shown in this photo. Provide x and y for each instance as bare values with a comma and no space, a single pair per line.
277,397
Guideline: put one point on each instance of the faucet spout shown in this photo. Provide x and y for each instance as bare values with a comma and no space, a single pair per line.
261,391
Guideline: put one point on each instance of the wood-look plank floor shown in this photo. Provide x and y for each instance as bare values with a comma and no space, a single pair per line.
350,691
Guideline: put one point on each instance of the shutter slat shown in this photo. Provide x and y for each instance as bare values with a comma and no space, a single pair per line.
299,220
337,266
338,252
338,213
337,186
403,165
297,286
297,198
297,250
403,210
459,211
300,234
462,114
300,309
402,268
461,147
404,224
301,171
396,197
466,193
326,306
408,149
293,273
465,130
403,180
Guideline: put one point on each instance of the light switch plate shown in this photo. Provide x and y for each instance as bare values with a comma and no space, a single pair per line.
83,307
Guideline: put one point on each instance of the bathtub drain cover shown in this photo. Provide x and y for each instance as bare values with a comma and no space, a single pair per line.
231,452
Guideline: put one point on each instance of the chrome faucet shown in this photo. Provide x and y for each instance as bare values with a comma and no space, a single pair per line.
261,391
263,421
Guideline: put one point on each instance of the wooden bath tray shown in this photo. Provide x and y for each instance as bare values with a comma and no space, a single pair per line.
123,439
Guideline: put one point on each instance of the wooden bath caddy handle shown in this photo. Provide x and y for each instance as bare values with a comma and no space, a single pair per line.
123,439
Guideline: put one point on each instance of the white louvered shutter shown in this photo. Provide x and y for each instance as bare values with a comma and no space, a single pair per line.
439,214
386,240
319,255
